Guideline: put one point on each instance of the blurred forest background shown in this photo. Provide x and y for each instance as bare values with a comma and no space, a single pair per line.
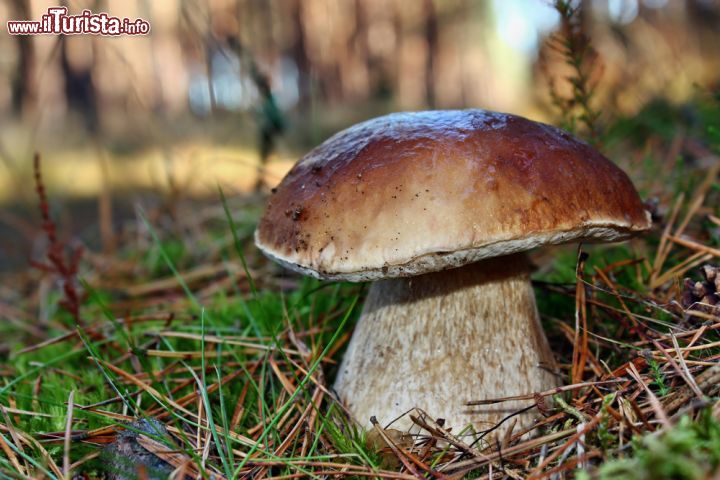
232,92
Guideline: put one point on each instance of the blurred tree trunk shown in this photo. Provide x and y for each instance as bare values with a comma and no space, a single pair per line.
431,38
397,52
21,84
300,55
80,91
357,43
705,16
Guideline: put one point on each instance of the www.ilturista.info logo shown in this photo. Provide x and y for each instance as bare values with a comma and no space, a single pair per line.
57,21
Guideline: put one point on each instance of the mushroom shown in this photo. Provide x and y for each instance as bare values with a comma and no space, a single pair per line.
437,209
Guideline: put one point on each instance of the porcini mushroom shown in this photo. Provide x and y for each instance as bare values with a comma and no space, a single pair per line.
436,208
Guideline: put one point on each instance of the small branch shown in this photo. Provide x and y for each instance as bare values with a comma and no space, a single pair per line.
68,436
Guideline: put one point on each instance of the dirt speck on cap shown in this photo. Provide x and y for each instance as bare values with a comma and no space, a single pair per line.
295,213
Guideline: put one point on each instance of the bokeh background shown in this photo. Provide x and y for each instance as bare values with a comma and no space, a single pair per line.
232,92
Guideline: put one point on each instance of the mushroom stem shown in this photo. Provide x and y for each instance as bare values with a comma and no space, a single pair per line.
439,340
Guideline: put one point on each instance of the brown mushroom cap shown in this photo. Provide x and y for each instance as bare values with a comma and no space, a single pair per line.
411,193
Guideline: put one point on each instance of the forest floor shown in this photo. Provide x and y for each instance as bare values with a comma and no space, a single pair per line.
229,360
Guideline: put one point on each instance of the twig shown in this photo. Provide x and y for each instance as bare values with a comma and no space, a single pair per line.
68,429
693,245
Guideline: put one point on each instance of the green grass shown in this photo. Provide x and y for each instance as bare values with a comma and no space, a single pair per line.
264,318
691,450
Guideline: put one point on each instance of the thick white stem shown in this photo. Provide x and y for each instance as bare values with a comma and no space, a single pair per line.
439,340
